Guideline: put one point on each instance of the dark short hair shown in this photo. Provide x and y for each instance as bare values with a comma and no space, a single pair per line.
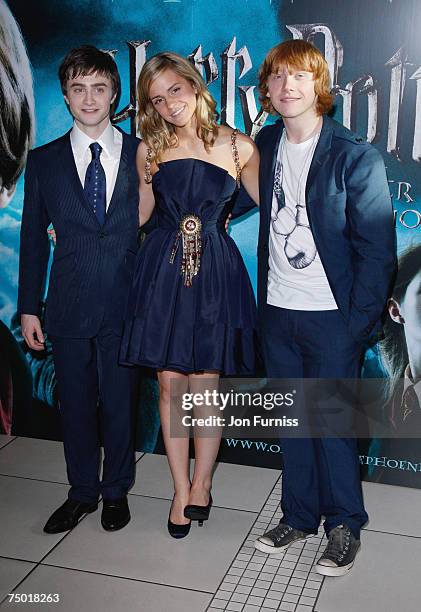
17,117
86,60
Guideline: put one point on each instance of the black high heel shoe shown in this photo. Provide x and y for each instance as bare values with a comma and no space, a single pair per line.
177,531
198,513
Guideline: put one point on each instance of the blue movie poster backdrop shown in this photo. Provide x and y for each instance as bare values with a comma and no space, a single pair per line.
374,54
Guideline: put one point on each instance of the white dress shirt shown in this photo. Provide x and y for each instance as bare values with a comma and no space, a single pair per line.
111,141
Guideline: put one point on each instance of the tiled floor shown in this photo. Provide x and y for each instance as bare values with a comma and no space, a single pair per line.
141,568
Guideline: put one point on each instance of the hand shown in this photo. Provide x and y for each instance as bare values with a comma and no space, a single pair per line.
52,235
227,222
32,332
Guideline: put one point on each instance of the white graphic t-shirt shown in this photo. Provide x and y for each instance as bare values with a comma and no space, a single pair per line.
297,279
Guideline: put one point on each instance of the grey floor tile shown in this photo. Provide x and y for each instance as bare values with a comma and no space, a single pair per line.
219,604
311,584
256,601
6,440
293,589
31,458
25,505
39,459
287,606
235,606
393,509
144,550
91,592
300,574
247,582
239,564
281,578
11,573
315,577
153,477
231,483
308,601
385,577
239,597
251,574
256,592
243,486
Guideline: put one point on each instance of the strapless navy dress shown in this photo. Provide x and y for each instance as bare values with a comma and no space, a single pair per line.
210,325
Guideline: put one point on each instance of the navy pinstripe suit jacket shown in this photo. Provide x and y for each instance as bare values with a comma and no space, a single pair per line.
92,264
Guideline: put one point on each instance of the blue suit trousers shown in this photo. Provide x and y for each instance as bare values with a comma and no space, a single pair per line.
97,397
321,475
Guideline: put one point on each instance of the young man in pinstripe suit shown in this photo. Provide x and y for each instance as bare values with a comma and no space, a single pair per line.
85,184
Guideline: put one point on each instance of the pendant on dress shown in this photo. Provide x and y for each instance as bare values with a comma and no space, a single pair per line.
190,233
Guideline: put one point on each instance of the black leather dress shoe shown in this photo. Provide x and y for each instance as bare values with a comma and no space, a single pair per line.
115,514
68,515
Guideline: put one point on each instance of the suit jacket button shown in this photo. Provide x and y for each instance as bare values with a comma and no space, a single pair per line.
101,235
359,139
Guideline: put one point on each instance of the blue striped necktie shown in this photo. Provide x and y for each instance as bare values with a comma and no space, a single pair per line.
95,187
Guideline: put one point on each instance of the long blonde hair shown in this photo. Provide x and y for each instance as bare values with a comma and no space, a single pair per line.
157,133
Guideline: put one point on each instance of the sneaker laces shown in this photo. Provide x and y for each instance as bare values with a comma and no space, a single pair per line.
338,543
277,533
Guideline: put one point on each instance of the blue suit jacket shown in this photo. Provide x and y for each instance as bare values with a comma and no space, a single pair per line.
92,264
351,218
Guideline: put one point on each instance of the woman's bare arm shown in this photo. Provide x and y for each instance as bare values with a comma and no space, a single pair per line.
249,159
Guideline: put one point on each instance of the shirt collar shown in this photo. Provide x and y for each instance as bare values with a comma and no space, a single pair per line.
81,141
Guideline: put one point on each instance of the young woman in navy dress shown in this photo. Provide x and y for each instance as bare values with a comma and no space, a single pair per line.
191,312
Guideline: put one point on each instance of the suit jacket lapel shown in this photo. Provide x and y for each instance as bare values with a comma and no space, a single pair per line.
121,179
319,158
269,153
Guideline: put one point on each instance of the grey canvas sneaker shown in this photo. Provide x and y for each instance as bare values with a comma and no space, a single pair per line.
339,555
278,539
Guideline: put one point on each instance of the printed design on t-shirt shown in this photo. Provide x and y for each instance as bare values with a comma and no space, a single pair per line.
299,247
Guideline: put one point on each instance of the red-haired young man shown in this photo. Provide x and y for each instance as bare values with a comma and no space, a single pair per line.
326,258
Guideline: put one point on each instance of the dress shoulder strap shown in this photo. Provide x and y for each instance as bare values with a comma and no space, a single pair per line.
148,175
236,157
